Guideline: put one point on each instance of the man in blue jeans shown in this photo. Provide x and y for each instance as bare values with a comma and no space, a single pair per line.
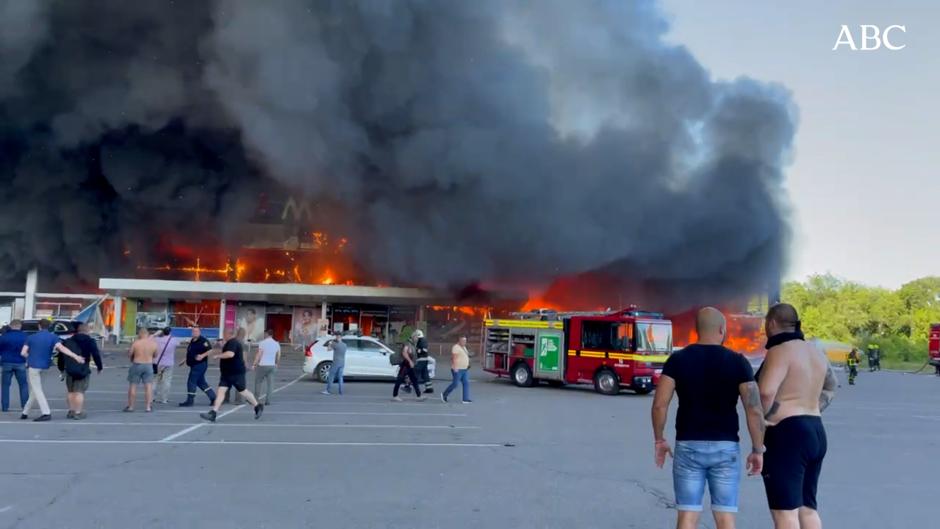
709,379
338,347
459,368
14,365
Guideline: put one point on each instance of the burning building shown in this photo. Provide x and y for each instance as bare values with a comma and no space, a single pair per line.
432,146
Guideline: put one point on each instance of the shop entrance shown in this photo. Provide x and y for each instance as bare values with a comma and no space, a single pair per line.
280,324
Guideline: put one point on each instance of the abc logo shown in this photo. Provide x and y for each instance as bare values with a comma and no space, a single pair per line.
870,38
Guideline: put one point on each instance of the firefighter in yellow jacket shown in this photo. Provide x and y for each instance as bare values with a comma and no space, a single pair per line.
851,362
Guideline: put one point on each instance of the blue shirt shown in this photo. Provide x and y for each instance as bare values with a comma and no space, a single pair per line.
11,345
40,349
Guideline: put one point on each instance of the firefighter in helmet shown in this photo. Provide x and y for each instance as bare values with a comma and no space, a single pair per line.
422,354
874,357
851,362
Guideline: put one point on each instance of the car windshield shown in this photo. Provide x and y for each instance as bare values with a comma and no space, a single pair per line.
654,337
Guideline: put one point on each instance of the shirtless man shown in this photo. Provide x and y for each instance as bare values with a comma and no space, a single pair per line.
141,355
796,384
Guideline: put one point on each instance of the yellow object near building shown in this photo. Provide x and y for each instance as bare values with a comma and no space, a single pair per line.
837,352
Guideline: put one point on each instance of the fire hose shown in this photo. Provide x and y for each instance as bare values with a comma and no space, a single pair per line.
926,362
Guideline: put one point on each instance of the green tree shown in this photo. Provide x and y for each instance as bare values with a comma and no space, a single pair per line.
898,320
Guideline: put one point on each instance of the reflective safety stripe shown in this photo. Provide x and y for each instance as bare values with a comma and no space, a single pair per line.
525,324
619,356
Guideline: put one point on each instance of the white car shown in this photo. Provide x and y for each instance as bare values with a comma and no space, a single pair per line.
366,357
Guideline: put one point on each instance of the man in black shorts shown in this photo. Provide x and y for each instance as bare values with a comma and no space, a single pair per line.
796,384
232,368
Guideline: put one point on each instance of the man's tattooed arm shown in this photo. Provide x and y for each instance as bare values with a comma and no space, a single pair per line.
829,389
750,396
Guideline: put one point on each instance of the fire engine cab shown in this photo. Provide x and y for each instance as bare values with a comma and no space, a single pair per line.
611,349
933,349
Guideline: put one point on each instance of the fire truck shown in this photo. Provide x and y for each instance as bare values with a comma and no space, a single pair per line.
613,350
933,350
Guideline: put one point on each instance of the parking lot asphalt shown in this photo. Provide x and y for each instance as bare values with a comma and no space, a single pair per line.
539,457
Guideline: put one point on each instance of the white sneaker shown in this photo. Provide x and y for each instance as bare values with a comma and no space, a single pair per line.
325,392
397,399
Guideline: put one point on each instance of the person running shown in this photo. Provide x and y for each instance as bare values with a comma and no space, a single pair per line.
197,358
142,355
796,384
851,361
232,375
265,365
38,351
338,347
78,375
232,396
13,363
166,359
459,369
709,380
406,369
422,361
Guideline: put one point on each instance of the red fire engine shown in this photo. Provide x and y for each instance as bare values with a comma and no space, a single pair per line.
612,350
934,346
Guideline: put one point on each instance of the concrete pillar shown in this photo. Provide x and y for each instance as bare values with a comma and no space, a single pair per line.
323,310
19,309
222,319
32,280
118,325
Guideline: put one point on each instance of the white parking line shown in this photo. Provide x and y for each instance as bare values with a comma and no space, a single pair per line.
5,509
247,443
366,413
273,412
233,410
251,425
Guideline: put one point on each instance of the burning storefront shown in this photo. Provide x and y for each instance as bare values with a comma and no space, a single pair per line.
447,146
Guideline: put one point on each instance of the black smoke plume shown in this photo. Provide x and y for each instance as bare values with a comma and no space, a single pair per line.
494,141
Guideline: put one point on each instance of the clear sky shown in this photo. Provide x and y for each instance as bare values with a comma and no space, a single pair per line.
865,182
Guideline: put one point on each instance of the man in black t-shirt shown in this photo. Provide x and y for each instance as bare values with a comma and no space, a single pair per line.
197,358
232,368
709,380
85,346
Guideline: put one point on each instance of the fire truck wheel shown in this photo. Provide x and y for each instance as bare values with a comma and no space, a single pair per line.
607,382
522,375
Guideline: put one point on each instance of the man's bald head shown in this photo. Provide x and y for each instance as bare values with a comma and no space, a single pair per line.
711,326
782,317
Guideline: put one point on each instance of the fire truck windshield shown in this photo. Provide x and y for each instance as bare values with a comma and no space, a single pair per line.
654,337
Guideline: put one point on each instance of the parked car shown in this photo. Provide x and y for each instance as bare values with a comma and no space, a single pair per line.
366,357
62,328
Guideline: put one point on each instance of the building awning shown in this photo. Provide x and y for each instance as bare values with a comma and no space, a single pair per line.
280,293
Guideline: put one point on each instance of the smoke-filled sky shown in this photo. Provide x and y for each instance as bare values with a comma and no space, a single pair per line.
864,184
494,141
